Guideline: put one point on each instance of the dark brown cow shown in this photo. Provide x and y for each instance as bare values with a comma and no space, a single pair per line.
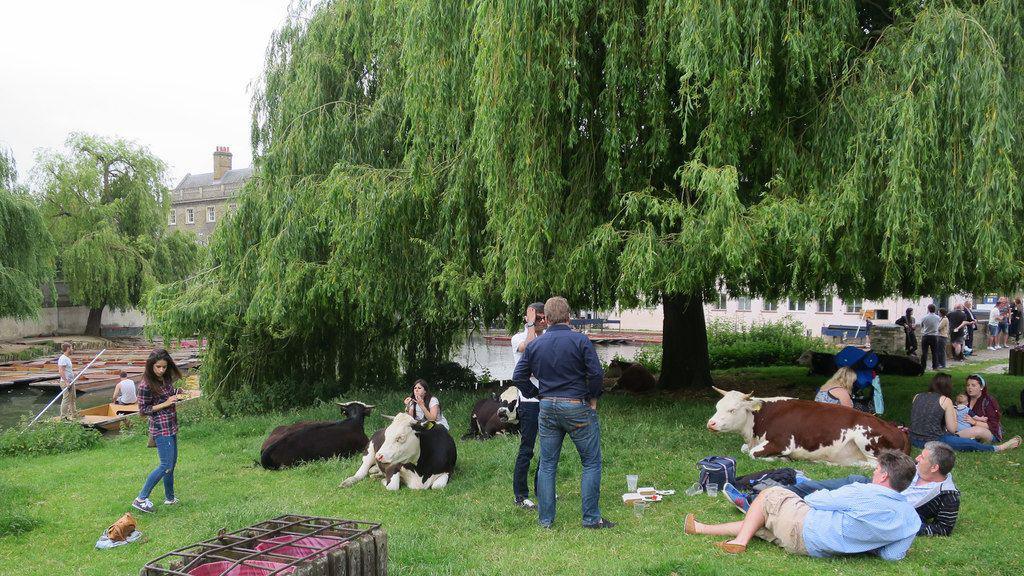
805,430
316,440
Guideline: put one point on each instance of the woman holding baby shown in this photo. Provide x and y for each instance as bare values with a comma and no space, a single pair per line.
933,416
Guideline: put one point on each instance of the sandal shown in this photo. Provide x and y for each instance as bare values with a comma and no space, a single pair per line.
690,524
730,548
1010,444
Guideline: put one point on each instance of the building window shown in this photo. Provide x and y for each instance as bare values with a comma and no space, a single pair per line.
190,216
719,303
825,305
797,305
172,219
854,306
771,306
211,214
744,304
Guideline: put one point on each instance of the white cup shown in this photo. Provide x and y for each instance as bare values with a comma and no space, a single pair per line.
631,480
638,509
712,490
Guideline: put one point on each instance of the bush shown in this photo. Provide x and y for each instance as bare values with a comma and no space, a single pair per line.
769,344
736,345
47,438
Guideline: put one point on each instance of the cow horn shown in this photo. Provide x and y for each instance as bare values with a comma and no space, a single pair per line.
720,391
386,417
749,395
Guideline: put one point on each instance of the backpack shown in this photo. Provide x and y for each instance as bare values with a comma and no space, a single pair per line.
716,471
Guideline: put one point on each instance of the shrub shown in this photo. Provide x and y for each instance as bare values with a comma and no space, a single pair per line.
769,344
47,438
736,345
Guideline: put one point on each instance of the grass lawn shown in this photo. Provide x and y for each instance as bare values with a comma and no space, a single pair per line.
58,505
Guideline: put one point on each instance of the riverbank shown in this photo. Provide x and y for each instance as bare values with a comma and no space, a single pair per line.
65,501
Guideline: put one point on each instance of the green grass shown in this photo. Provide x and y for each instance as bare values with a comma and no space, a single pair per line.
53,508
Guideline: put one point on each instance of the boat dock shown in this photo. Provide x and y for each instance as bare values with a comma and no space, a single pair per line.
104,374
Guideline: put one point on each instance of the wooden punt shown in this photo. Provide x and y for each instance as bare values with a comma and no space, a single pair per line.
110,416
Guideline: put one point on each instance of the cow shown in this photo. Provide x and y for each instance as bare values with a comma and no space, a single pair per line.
317,440
805,430
420,455
630,377
495,415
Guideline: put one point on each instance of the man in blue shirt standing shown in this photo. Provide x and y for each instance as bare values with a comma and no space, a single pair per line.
570,378
854,519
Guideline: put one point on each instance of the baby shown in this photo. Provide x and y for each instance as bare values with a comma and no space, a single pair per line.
963,421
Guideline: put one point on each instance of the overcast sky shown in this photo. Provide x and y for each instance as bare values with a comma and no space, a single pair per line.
173,76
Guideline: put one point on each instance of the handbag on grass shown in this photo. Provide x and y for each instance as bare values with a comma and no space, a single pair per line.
122,529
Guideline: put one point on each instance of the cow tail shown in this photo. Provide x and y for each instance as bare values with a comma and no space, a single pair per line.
472,424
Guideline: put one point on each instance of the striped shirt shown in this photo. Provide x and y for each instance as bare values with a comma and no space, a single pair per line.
859,518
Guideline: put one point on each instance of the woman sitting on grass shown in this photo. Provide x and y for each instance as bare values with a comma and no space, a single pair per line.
423,406
984,412
838,389
933,417
157,397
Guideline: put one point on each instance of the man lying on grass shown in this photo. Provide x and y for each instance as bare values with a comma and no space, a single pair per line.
932,491
854,519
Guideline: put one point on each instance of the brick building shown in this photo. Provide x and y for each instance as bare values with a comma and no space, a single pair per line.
199,201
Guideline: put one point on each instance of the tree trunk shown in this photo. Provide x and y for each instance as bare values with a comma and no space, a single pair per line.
93,326
685,362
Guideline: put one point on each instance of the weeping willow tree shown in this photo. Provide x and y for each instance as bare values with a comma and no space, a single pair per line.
105,204
424,166
26,249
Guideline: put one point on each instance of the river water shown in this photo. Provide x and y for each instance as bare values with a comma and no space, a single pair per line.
494,358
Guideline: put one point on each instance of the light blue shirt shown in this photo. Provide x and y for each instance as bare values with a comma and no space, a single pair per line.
860,518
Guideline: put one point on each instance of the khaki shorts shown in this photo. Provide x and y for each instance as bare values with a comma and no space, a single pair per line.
784,525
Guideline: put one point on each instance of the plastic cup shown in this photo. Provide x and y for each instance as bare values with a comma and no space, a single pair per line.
638,509
712,490
694,490
631,480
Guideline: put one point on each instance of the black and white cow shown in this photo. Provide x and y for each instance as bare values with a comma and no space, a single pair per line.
407,452
316,440
495,415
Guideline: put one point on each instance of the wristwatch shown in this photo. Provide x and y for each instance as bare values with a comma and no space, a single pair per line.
530,324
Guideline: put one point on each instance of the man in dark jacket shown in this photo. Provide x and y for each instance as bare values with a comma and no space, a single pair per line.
570,378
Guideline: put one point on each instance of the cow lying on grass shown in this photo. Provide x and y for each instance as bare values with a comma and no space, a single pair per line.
407,452
805,430
317,440
495,415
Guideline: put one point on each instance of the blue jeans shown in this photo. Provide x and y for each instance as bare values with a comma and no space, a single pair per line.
580,422
167,450
528,413
807,487
959,444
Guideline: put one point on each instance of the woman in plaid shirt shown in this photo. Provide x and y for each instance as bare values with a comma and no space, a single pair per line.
157,397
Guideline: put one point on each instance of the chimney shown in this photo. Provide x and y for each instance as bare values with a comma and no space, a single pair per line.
221,162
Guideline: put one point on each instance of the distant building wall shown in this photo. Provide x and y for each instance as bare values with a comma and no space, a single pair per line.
67,321
200,201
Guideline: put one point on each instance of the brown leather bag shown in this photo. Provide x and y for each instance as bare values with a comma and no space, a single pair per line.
122,529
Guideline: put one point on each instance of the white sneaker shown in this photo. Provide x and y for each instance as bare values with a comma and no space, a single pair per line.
170,502
992,348
143,505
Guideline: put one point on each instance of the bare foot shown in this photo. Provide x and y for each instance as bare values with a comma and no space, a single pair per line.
1009,444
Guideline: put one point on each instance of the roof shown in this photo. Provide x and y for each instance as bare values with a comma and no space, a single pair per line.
230,177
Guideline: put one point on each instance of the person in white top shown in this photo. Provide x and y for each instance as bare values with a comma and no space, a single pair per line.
528,409
124,392
68,410
423,406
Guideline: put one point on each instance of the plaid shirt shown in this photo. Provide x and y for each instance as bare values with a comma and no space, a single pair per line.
161,422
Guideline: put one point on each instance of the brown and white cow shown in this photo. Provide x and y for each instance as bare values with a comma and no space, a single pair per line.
805,430
407,452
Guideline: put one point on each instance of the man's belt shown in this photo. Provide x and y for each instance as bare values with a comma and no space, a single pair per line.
557,399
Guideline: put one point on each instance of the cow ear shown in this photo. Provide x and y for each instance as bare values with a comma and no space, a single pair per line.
756,405
720,391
